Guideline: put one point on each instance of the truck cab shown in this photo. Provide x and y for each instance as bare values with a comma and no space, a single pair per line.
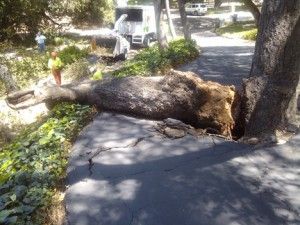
138,26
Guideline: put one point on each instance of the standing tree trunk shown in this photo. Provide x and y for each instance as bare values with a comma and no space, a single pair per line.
7,79
170,22
275,70
161,38
186,30
218,3
253,9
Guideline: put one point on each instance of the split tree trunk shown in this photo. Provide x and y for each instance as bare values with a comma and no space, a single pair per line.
179,95
183,17
275,70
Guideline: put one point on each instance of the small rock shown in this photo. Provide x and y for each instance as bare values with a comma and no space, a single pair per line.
174,133
250,141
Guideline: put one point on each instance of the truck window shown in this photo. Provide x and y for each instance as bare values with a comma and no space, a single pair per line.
135,15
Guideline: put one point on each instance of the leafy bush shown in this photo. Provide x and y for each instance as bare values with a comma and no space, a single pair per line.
250,35
152,60
132,69
35,162
97,11
182,51
72,53
28,69
77,70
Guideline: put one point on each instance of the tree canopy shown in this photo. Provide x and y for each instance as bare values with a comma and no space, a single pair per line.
19,16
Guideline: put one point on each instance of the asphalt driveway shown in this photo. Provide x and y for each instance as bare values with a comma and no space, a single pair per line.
123,172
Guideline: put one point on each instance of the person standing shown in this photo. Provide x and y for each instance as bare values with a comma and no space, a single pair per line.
55,64
40,39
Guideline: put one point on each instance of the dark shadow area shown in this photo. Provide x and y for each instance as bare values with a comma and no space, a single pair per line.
185,181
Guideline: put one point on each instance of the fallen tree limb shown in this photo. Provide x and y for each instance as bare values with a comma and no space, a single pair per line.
179,95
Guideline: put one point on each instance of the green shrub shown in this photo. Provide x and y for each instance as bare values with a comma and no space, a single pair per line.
152,60
77,70
132,69
32,165
250,35
182,51
27,70
72,53
58,40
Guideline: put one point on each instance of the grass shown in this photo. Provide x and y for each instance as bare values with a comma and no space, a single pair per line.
245,30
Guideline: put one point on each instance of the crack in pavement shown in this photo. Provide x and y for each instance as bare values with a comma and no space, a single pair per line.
105,149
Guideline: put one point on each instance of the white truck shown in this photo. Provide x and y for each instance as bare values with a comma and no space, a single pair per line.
138,27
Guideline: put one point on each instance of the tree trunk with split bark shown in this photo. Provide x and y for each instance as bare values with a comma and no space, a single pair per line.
270,91
179,95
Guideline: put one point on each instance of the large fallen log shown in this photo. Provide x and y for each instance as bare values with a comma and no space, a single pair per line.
179,95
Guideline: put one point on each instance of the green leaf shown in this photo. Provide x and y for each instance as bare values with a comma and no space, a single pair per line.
44,140
13,197
4,214
12,220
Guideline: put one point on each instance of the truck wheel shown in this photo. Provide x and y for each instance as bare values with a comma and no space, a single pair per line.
195,13
146,41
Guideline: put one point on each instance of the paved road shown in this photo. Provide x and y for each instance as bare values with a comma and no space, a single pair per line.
224,60
122,172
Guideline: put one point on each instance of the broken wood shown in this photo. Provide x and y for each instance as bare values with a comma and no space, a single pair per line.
179,95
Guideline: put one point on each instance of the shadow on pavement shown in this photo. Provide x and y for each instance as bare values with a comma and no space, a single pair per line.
186,181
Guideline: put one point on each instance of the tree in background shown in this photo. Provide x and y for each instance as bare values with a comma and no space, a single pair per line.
186,30
218,3
26,16
91,11
21,15
252,7
161,38
170,22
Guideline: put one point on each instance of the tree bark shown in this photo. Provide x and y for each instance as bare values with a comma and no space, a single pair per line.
218,3
275,69
253,9
7,79
183,17
179,95
170,22
161,38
